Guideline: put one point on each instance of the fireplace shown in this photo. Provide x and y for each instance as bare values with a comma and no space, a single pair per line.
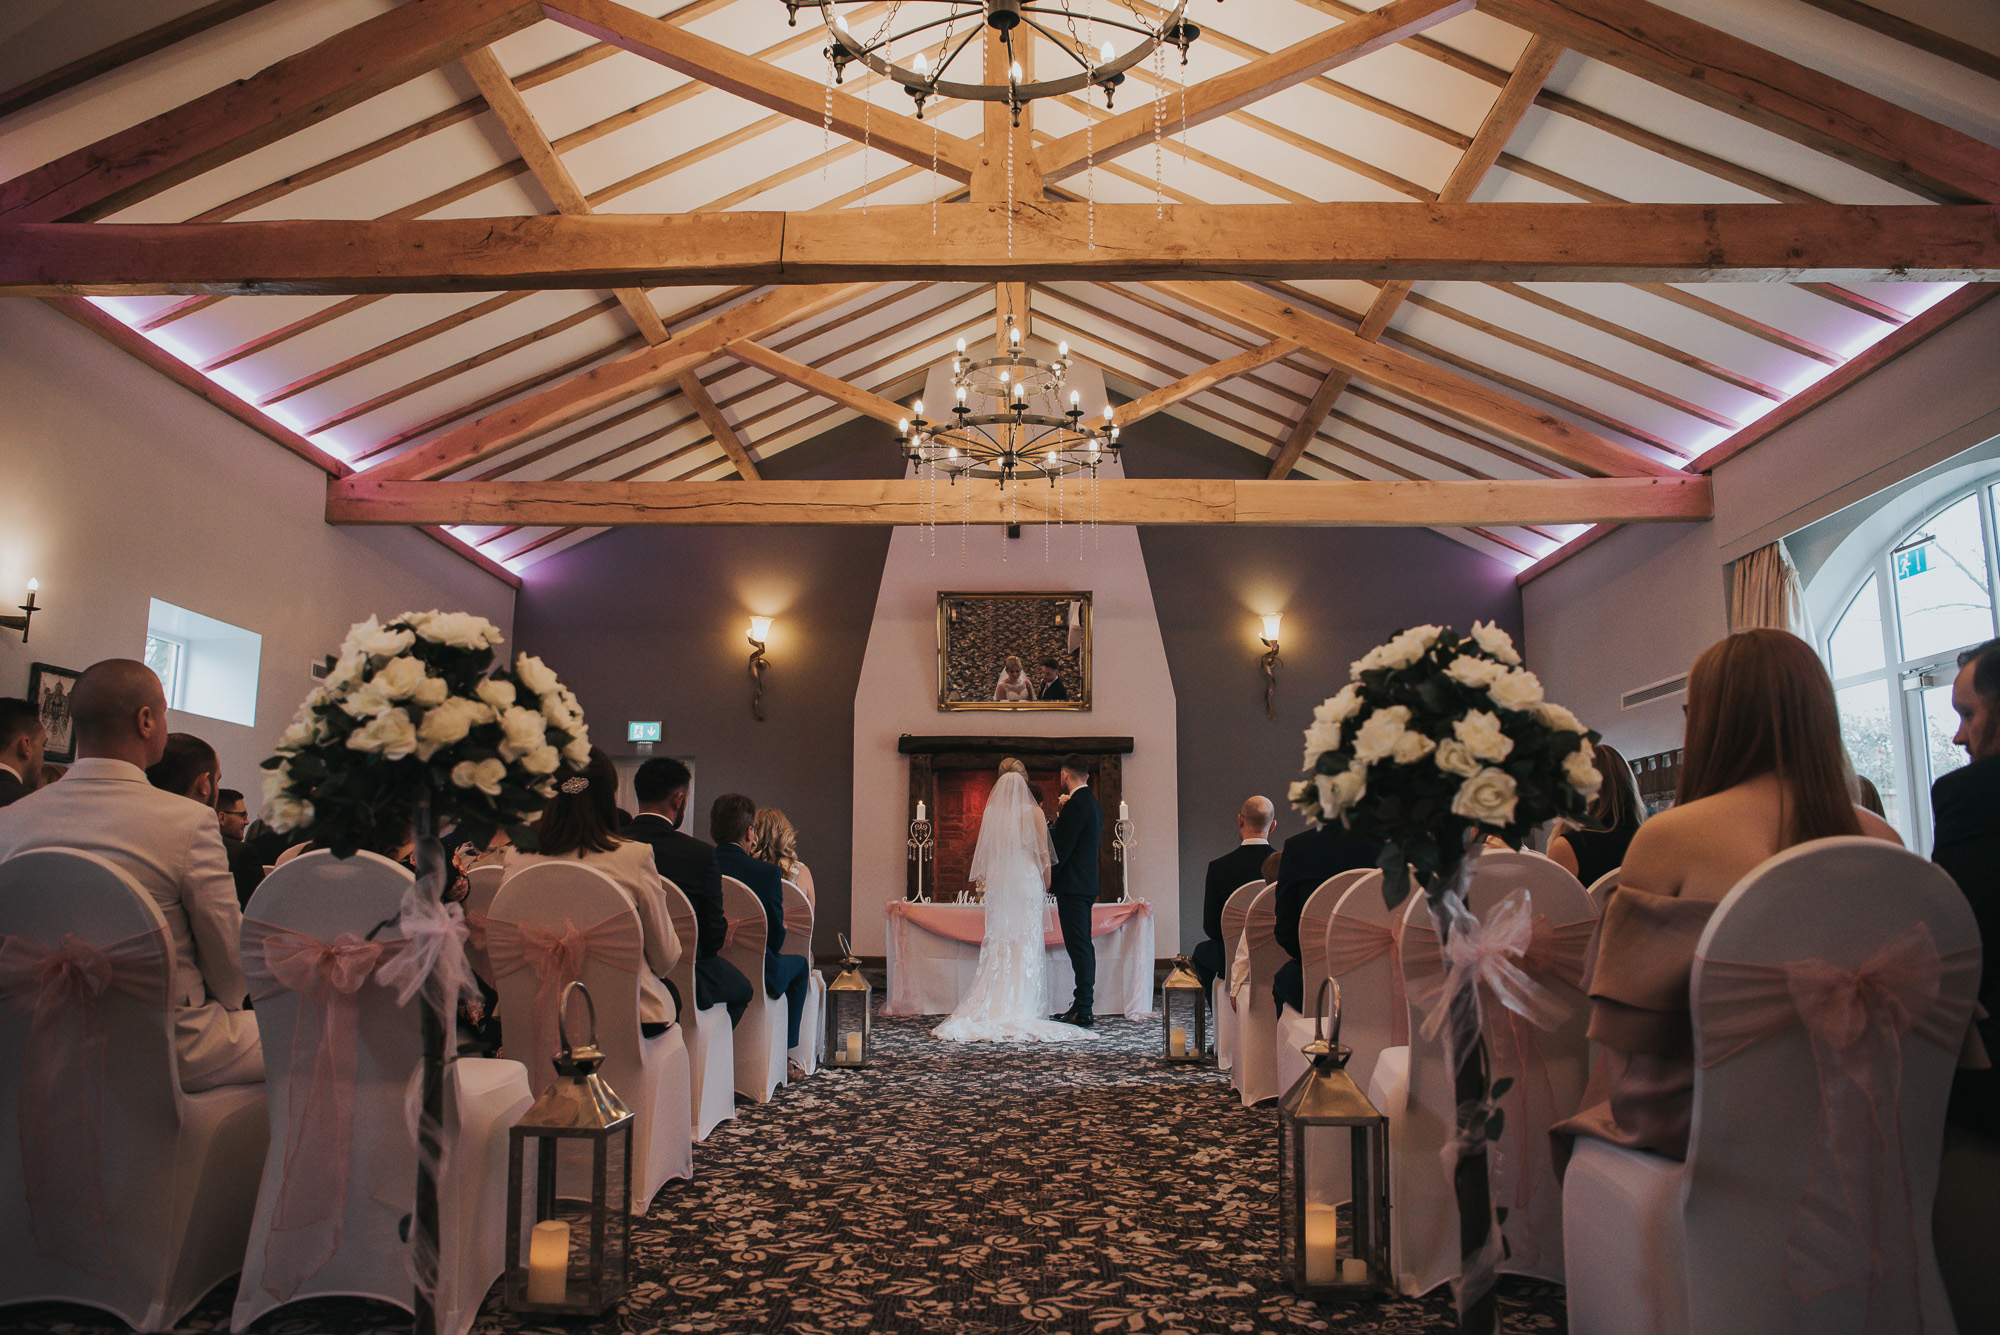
952,776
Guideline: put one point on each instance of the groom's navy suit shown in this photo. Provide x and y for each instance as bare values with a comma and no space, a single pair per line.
1073,881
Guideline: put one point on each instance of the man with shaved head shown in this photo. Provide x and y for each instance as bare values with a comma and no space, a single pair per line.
1243,863
169,844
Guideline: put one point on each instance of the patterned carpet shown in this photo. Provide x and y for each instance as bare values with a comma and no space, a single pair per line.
968,1188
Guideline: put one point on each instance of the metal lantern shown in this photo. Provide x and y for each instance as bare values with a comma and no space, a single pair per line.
569,1181
849,1014
1183,1013
1322,1114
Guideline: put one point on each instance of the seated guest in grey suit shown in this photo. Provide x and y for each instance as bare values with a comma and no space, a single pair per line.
784,975
171,846
662,788
1237,867
22,737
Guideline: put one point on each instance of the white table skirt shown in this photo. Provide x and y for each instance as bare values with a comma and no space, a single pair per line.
928,973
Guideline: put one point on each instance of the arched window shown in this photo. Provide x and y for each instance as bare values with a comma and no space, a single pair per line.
1893,652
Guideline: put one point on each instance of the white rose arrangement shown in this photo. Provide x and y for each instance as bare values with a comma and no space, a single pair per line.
1440,733
418,704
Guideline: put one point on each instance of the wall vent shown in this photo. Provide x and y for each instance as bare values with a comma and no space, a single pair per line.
1659,690
320,669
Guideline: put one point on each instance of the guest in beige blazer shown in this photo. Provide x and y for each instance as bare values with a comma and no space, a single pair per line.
170,845
577,826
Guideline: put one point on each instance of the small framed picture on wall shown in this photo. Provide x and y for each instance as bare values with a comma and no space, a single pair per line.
50,687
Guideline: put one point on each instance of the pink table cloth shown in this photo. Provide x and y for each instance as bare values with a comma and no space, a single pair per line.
933,953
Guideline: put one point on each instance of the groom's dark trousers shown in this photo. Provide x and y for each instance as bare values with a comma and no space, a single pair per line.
1073,881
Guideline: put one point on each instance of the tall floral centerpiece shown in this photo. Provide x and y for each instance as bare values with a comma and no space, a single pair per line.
415,729
1439,741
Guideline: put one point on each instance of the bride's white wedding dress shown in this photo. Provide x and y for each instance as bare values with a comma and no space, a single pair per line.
1012,860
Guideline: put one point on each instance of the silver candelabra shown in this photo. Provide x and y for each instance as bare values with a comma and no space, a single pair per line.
1124,838
919,844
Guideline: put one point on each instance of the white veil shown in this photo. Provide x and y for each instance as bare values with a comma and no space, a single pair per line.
1013,836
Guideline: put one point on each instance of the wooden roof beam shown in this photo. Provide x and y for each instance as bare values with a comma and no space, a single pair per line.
1200,382
865,402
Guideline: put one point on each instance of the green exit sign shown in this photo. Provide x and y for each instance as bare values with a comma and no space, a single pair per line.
642,732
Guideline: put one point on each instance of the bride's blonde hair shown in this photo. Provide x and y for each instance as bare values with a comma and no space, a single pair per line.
1012,766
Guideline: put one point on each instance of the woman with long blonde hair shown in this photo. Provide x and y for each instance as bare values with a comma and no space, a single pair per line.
773,840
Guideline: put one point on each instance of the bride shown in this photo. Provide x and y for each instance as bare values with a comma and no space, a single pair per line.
1012,861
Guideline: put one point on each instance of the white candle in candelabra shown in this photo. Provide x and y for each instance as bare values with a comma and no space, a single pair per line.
1177,1043
1124,812
548,1262
1322,1244
920,811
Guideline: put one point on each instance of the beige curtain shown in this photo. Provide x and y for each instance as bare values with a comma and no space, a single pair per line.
1766,592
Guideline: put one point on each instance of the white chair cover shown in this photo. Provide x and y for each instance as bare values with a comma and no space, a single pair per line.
176,1173
812,1026
760,1035
711,1047
482,883
1295,1030
1550,1070
1255,1072
1234,910
1762,1170
1601,888
336,1189
582,912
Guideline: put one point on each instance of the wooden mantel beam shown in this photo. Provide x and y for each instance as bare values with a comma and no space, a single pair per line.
364,499
1375,241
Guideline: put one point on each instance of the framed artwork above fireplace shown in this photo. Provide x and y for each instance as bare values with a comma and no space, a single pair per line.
1014,651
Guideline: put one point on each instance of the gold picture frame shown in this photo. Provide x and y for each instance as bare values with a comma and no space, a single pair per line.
977,632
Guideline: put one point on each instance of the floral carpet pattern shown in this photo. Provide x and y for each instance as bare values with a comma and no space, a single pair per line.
1082,1187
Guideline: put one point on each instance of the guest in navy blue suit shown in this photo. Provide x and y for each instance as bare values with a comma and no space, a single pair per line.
1309,859
662,788
1073,881
784,975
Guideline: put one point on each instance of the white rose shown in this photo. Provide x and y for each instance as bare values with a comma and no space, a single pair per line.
304,732
346,672
368,702
1480,731
577,753
314,699
460,630
499,694
1377,737
1583,775
1516,689
1558,718
1322,736
448,724
535,675
391,733
1341,707
1495,641
370,639
288,813
433,691
399,677
1487,797
277,782
521,731
559,715
1338,792
485,775
1468,670
1411,747
541,760
1452,757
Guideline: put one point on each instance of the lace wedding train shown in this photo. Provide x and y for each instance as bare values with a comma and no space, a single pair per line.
1006,1000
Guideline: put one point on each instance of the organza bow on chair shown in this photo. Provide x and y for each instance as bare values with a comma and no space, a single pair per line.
1353,942
1858,1191
557,959
327,978
61,1110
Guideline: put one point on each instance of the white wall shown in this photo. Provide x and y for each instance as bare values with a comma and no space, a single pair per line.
120,486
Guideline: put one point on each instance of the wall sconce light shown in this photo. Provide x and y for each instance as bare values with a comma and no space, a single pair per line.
20,622
1270,663
760,631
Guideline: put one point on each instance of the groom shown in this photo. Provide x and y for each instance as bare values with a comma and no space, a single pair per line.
1073,881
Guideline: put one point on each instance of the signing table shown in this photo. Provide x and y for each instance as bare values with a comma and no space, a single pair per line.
934,952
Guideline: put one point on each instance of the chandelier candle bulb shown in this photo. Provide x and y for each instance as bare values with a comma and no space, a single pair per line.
1014,72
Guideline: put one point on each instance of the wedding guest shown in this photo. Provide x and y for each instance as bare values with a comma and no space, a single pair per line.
1598,846
1868,797
50,773
773,839
172,847
1051,685
1013,683
1308,860
1239,865
1966,809
576,826
231,814
729,823
22,738
661,786
191,769
1762,769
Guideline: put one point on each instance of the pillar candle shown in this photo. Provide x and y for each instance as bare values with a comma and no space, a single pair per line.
1124,812
1177,1043
854,1046
548,1262
1353,1271
1322,1244
920,811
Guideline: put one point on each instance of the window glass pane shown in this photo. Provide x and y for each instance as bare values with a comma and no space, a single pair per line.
164,657
1856,643
1940,725
1942,598
1870,742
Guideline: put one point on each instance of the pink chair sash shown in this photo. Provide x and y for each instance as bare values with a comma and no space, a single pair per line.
1353,942
1858,1190
61,1109
737,926
557,959
312,1195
